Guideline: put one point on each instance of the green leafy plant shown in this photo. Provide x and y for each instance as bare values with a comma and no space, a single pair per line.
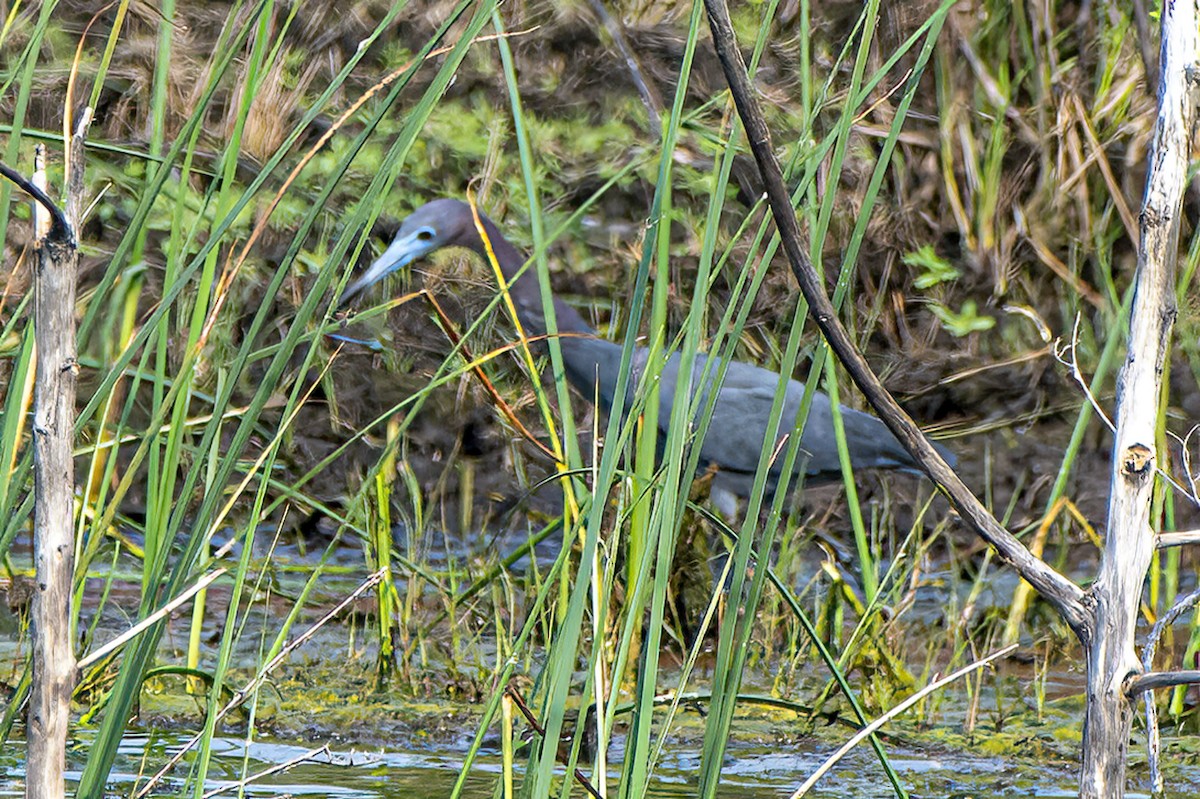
934,268
963,322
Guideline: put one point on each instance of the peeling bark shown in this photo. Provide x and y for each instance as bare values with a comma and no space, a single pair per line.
1112,662
53,653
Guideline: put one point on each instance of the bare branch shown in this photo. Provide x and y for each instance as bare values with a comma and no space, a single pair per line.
859,736
137,629
1153,739
1067,355
532,721
1178,539
247,690
1154,680
1185,457
1064,595
311,755
1170,617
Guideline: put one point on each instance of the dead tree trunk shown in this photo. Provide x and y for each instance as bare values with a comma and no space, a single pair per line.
54,484
1112,660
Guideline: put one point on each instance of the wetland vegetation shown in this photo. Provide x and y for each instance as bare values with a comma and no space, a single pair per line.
413,535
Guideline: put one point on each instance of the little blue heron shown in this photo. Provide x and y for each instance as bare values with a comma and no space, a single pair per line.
737,433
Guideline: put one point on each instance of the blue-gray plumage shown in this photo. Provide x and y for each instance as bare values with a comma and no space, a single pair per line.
742,410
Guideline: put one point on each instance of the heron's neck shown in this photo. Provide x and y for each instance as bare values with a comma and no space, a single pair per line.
525,290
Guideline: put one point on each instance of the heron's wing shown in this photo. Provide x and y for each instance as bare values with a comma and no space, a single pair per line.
737,432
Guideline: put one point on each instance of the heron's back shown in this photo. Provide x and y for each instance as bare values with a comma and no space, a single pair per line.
741,413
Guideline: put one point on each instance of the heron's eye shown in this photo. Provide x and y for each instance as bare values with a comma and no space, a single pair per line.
424,234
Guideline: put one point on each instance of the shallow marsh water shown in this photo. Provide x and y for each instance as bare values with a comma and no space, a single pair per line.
394,744
752,771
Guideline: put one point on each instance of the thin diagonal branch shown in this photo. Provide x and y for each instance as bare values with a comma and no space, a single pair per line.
1066,597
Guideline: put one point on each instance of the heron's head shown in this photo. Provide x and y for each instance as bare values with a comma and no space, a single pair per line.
436,224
